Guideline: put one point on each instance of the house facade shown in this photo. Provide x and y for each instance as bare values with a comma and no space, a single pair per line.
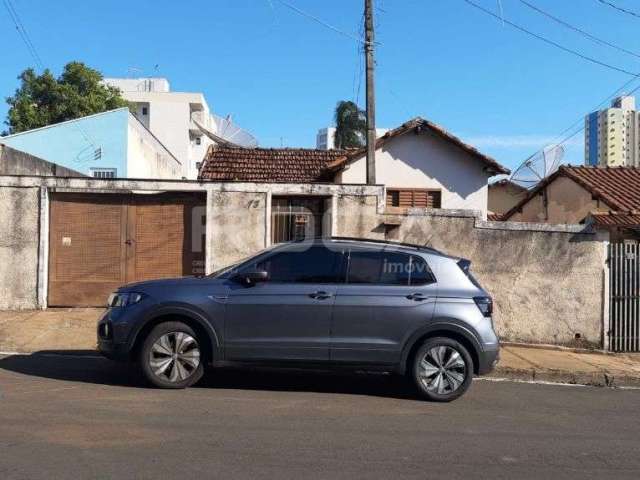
609,197
504,195
420,165
105,145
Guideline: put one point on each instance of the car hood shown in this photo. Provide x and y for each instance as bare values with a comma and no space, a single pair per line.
166,282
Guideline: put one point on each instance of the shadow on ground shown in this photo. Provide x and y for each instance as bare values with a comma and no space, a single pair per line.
87,367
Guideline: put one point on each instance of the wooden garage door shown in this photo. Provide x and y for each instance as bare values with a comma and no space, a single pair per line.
101,241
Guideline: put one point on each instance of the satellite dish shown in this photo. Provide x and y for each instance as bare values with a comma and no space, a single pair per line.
538,166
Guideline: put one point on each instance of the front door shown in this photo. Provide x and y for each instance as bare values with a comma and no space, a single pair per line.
287,317
386,296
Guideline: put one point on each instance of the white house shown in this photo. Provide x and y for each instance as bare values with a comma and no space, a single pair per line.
420,164
181,120
423,165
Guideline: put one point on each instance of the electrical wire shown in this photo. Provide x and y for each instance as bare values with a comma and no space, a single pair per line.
620,9
322,22
550,42
22,31
580,31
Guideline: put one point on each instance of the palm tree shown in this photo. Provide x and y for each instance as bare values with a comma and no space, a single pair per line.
351,125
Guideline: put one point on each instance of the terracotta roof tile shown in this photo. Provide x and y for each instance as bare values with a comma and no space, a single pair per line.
617,219
289,165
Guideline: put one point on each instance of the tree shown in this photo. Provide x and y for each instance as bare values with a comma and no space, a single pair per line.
44,100
351,125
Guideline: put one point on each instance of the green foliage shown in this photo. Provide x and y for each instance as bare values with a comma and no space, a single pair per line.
44,100
351,125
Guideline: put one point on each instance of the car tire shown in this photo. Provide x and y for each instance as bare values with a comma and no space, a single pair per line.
171,356
442,369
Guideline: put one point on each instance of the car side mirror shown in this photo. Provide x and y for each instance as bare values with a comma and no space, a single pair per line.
252,277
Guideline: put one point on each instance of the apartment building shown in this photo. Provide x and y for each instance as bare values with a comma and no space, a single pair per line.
182,121
612,135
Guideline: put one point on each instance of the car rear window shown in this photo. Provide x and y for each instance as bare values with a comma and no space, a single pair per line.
387,268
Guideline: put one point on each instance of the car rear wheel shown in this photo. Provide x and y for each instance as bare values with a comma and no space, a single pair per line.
442,369
171,356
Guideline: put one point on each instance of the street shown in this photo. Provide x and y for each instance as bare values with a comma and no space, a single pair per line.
82,416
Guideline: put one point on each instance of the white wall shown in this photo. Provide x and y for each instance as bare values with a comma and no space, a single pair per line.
426,161
147,157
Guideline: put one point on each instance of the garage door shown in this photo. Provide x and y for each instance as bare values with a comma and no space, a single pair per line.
99,242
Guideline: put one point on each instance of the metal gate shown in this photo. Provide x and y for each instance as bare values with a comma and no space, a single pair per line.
98,242
624,296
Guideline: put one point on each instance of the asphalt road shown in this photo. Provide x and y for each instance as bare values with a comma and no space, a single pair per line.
78,417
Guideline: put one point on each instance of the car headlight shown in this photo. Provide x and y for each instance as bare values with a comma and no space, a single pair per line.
123,299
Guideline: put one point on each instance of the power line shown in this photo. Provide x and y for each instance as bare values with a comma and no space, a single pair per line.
620,9
321,22
580,31
550,42
581,119
22,31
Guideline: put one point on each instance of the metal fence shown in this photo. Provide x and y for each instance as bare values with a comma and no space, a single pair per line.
624,297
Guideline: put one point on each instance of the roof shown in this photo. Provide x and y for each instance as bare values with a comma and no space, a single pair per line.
287,165
507,183
617,187
418,125
616,219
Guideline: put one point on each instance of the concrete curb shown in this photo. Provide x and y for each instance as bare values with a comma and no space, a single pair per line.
596,379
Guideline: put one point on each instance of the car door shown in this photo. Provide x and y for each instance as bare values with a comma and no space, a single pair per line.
288,316
387,295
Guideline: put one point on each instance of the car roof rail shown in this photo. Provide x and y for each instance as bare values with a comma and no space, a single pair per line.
373,240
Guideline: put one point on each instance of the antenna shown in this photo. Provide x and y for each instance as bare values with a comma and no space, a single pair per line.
538,166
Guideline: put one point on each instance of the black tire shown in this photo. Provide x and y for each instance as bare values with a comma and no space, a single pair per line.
181,370
453,381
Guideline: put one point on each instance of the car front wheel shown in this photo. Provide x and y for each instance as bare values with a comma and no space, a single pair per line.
442,369
171,356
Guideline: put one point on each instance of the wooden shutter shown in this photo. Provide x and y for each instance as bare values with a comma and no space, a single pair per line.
414,197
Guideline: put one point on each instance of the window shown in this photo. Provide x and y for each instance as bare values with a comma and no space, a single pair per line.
420,273
311,265
198,140
414,197
145,110
104,172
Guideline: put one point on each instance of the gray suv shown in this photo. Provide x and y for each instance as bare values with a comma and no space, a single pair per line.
332,302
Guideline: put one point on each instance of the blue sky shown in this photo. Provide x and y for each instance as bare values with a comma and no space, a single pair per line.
280,74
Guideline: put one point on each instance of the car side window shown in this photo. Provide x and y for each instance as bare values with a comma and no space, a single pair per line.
378,267
312,265
420,273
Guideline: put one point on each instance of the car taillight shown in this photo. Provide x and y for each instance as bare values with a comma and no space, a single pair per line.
485,304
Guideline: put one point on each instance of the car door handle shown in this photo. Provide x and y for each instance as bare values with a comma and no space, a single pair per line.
320,295
417,297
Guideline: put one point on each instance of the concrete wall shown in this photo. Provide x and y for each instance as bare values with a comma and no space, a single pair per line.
566,203
426,161
19,241
548,285
236,226
15,162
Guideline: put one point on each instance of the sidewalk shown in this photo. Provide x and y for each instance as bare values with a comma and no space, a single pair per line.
74,329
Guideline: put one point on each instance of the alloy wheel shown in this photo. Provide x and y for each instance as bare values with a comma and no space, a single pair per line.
174,356
442,370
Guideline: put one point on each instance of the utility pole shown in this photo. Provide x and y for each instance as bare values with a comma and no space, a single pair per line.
371,99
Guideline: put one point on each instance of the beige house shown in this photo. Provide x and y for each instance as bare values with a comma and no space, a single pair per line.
607,196
504,195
